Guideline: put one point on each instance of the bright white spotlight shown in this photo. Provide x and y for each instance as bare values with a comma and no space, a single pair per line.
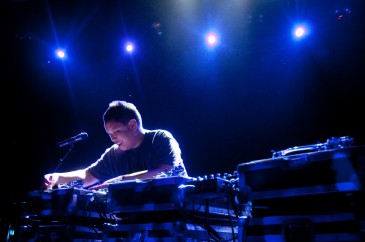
212,39
60,54
129,47
300,31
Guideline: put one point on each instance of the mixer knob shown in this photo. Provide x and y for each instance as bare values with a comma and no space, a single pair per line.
225,175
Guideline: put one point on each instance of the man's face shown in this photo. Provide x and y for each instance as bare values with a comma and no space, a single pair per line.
120,134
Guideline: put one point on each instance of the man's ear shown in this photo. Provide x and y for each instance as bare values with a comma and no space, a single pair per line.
133,124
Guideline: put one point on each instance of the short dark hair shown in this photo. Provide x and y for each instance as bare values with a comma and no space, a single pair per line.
123,112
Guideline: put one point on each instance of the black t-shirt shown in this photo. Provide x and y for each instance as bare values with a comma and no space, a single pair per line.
158,147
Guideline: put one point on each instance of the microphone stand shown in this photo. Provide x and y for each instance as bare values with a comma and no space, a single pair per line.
64,157
76,183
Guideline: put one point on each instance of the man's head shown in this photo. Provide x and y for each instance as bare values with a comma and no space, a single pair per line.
123,123
123,112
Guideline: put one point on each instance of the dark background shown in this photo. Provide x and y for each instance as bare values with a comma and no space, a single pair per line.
257,91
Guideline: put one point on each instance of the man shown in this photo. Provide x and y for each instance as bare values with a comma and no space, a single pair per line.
137,153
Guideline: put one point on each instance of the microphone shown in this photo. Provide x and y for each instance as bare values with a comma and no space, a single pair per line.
72,140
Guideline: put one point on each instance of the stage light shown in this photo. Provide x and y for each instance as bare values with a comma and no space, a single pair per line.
129,47
212,39
60,54
300,31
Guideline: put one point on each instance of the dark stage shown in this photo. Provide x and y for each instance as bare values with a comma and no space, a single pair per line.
258,91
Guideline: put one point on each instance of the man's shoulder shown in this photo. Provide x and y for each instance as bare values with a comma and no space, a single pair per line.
112,149
158,133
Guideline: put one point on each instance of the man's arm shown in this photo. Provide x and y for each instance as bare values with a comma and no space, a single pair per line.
146,174
52,179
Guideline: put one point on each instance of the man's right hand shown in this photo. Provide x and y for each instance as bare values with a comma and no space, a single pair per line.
49,181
